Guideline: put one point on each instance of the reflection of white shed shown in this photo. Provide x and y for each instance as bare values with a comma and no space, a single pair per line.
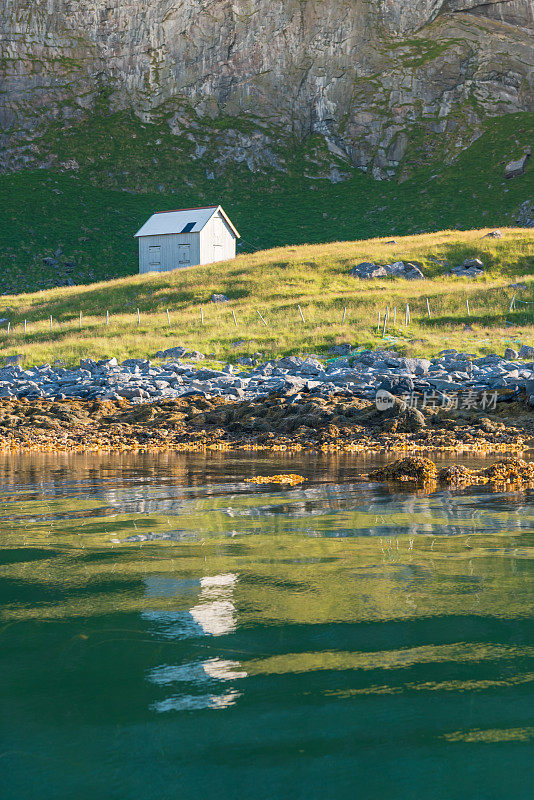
175,239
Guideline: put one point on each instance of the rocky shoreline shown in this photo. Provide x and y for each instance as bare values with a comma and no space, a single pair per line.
297,423
357,401
349,372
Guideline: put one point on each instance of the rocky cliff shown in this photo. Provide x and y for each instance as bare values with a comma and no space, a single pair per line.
387,83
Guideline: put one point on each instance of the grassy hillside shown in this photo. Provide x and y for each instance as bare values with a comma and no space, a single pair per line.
106,177
275,283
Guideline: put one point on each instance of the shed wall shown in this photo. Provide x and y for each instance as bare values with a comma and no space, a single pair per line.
170,251
217,234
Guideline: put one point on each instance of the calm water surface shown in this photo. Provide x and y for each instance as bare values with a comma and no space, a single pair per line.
171,632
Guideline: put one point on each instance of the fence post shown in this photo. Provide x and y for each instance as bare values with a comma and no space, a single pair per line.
25,325
386,320
8,327
394,316
378,324
168,318
138,317
260,316
467,304
428,307
50,321
201,315
233,314
80,320
301,314
344,315
107,317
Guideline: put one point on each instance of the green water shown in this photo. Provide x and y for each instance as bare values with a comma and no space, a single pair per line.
169,631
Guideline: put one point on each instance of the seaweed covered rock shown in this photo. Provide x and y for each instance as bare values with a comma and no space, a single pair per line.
415,469
409,420
510,471
456,475
503,473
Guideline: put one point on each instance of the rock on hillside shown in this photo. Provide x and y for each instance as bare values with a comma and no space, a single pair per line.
369,77
399,269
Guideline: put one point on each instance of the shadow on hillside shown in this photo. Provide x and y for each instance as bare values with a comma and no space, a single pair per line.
496,320
95,301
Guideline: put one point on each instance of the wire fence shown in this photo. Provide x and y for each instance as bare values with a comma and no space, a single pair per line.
391,318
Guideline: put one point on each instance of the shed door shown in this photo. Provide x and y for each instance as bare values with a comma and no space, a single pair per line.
184,255
154,255
217,252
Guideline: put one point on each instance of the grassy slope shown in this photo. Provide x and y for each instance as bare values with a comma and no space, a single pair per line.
127,170
274,282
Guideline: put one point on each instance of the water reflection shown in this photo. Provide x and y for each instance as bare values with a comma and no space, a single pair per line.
213,615
386,635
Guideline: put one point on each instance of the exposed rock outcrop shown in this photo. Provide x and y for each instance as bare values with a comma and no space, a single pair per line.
399,269
370,77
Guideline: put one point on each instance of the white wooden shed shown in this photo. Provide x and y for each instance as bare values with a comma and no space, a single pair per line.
175,239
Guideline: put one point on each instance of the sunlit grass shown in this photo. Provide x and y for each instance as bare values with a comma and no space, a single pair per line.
336,307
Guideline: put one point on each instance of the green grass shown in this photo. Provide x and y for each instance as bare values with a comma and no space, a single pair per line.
275,282
127,170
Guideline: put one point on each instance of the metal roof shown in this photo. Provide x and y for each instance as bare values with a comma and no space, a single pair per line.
175,221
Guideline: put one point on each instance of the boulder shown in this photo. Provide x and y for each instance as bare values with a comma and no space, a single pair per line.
526,352
417,366
525,217
510,354
219,298
171,352
367,270
471,268
290,362
412,272
142,363
399,269
134,391
311,366
404,269
340,350
493,235
87,363
516,168
396,385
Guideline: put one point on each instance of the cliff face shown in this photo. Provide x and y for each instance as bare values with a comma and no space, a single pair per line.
372,77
